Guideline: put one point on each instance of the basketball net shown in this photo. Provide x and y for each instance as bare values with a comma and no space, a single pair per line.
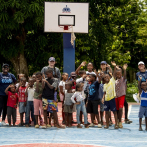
73,37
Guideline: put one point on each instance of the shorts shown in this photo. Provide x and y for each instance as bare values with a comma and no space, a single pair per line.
22,108
101,107
49,105
67,109
92,106
120,102
142,112
37,105
110,105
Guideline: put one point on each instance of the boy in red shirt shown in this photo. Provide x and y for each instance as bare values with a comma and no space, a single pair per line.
22,99
11,103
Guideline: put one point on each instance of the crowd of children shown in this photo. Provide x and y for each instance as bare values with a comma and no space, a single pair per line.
83,92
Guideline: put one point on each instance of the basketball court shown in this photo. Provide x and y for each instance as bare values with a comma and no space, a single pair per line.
70,18
72,137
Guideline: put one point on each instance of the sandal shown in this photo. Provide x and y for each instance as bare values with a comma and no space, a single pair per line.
116,127
127,121
60,126
120,125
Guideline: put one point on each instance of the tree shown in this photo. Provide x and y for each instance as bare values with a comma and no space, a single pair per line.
17,20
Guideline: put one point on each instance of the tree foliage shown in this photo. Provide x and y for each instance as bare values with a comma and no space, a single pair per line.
117,31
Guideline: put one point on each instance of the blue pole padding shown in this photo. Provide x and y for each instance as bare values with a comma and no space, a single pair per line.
68,54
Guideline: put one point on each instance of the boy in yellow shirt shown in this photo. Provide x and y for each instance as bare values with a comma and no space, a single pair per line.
109,96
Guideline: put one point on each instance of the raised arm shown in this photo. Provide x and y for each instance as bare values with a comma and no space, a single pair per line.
114,72
18,87
82,64
6,90
124,68
139,85
109,67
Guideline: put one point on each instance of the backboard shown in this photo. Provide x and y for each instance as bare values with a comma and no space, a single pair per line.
66,17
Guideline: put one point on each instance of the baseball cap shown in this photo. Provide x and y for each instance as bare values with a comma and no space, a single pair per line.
141,62
72,74
5,64
52,59
103,62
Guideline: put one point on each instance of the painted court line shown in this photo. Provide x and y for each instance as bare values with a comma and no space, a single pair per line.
55,144
47,140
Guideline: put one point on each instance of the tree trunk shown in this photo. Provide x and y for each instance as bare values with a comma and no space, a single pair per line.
132,75
20,64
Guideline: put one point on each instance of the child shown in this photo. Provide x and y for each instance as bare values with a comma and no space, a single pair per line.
62,90
19,79
68,105
11,103
38,98
89,68
22,99
120,88
30,106
83,80
100,96
109,96
49,85
93,101
80,104
143,104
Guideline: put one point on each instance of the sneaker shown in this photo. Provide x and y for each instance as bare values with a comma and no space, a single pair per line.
3,123
91,125
99,126
88,123
48,126
36,126
79,126
120,125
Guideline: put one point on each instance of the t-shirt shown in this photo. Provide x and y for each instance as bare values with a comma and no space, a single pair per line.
120,87
109,88
31,93
21,94
93,91
47,92
78,97
56,72
143,74
62,83
12,99
36,94
5,81
143,97
68,96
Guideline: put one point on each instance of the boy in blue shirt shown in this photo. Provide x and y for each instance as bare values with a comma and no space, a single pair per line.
143,104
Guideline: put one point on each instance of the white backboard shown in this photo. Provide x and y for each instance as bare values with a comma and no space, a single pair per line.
58,14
